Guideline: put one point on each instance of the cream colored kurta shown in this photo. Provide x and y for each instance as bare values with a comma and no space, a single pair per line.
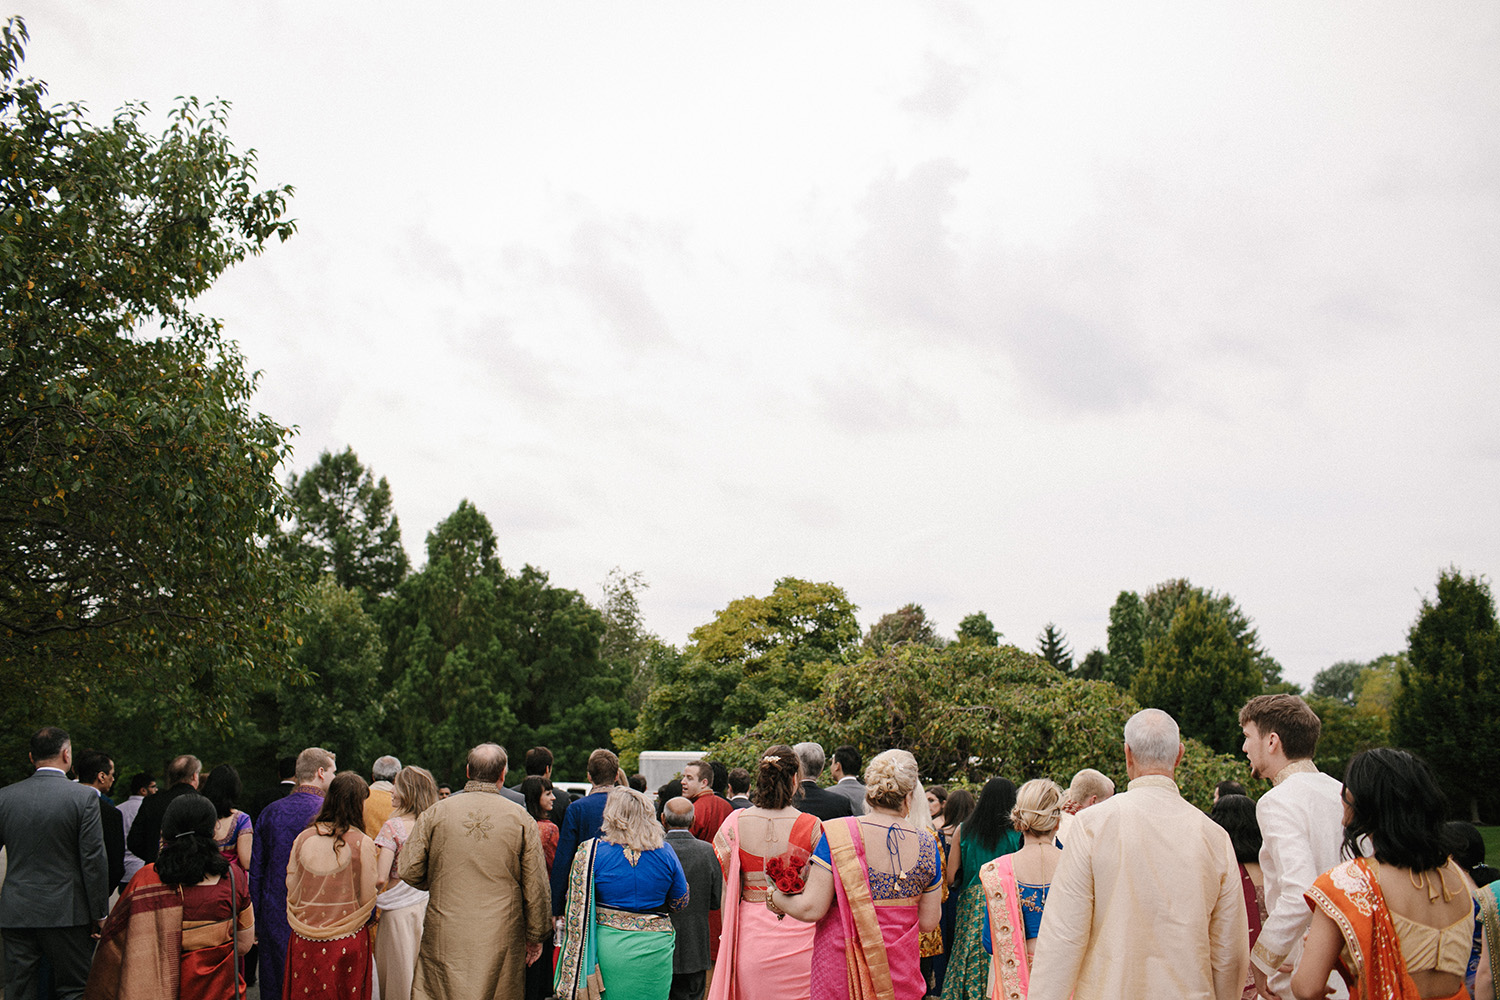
479,856
1302,831
1146,903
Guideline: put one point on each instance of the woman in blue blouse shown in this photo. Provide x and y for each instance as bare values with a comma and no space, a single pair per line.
616,935
1015,886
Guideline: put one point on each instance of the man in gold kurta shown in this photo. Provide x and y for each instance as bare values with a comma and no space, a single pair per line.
1146,901
480,858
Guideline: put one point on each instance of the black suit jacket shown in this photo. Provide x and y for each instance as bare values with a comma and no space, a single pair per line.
821,802
114,839
145,832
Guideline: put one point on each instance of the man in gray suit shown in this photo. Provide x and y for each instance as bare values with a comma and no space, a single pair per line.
57,886
690,960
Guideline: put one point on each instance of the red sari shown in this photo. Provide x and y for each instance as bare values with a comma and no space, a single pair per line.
328,910
165,942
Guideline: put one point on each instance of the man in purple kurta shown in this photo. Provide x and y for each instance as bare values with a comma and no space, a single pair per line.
275,828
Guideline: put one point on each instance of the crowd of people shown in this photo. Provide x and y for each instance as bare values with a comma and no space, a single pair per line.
753,883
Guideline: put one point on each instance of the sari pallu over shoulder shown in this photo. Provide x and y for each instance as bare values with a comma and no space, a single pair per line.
1007,931
577,976
1350,896
851,925
1489,916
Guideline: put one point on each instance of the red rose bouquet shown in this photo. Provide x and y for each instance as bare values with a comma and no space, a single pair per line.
788,872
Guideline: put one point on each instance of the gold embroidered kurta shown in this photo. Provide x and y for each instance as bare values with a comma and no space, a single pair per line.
1146,902
479,856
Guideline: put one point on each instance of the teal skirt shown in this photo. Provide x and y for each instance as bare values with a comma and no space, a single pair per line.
636,964
968,962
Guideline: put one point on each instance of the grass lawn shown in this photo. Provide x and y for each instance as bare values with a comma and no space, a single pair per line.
1491,835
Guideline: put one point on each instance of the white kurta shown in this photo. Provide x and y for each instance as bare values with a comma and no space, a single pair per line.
1146,902
1302,829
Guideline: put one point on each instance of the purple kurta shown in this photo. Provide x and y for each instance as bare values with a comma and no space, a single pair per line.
275,828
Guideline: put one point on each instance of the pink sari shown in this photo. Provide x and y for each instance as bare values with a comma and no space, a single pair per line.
863,951
760,957
1012,976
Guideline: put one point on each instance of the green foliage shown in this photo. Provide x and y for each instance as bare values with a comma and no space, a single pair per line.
1093,667
1448,709
758,654
137,482
342,709
1346,731
1053,647
1380,685
343,524
1201,673
628,648
907,623
1338,681
978,628
1127,639
479,654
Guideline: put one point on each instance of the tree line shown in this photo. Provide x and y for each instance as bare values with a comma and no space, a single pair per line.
164,589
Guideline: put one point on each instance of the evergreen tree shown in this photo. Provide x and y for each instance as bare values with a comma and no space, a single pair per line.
1127,639
1052,646
343,524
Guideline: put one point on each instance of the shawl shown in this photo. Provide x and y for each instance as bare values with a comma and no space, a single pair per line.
140,946
324,905
577,976
727,850
1350,895
866,965
1007,930
1489,914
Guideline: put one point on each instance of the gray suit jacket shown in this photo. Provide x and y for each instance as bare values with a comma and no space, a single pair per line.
58,872
853,790
705,887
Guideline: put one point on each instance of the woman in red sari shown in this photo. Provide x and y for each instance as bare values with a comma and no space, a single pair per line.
1399,925
181,928
330,895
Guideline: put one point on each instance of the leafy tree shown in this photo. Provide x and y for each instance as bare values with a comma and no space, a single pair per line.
1448,709
1338,681
627,647
968,712
1053,647
477,654
137,482
756,655
979,629
343,525
1380,685
907,623
1201,673
1346,731
1093,667
343,706
1127,639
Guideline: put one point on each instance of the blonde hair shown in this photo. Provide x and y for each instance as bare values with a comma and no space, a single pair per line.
1038,807
414,791
629,821
890,779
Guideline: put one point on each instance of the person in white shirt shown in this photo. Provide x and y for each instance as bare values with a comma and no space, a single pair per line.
141,785
1146,901
1302,829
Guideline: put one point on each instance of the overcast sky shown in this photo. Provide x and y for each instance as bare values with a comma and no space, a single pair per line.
986,307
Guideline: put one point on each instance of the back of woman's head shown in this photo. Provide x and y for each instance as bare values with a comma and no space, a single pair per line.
958,806
629,821
890,779
991,817
1236,814
532,788
775,778
189,854
223,789
1396,803
1038,807
413,791
344,805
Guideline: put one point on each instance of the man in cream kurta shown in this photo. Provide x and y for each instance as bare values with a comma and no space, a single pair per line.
479,856
1146,901
1301,827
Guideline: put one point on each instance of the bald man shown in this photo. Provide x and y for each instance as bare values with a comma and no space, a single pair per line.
691,959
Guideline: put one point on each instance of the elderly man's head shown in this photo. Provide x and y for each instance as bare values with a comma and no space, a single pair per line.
487,763
1153,743
385,768
809,760
677,814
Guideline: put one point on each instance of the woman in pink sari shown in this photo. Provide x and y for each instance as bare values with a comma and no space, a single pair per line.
874,885
763,957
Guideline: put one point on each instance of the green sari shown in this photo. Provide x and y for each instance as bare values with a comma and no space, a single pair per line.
968,962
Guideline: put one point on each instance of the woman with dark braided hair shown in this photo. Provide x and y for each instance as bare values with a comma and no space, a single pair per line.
330,896
186,918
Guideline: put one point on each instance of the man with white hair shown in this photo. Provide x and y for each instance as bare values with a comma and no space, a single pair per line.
382,783
1146,901
811,797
